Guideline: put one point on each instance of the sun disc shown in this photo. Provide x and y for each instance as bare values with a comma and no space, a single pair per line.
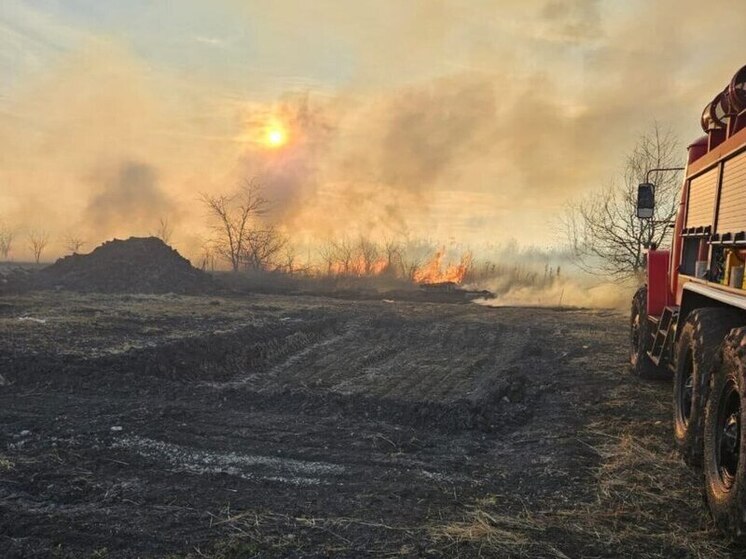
276,136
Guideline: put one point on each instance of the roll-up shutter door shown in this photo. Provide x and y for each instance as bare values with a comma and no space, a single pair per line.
702,199
732,209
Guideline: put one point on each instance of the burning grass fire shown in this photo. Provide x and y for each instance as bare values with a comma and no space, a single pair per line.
436,271
344,279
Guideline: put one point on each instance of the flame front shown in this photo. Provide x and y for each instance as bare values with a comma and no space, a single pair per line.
434,272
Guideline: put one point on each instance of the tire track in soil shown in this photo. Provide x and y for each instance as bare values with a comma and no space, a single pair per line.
398,403
309,365
273,357
419,391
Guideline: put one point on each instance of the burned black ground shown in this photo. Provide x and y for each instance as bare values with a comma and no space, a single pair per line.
153,426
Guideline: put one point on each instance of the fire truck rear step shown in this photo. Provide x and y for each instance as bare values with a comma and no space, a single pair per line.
663,336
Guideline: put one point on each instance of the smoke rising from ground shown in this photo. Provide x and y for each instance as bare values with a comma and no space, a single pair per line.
531,276
567,292
458,122
129,193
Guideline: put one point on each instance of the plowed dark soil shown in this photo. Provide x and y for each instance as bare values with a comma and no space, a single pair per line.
154,426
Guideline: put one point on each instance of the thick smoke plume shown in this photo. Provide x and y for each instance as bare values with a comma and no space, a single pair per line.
429,121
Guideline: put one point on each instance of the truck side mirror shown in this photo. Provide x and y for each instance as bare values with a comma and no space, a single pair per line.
645,200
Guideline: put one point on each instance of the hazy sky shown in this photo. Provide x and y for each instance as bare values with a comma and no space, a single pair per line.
473,120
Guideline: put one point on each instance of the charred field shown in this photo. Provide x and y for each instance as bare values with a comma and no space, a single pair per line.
301,426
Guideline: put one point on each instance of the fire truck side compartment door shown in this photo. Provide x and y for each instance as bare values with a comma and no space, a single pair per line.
702,193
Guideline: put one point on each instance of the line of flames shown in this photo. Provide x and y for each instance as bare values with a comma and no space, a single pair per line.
436,272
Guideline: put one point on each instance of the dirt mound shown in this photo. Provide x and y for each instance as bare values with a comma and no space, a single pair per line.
135,265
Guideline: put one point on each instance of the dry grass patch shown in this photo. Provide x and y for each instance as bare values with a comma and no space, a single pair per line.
514,535
5,464
646,499
263,533
646,493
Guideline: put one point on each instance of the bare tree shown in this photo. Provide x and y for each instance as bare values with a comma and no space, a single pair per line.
233,216
289,256
343,253
368,253
73,244
207,258
327,253
164,230
603,230
393,251
38,241
262,248
6,240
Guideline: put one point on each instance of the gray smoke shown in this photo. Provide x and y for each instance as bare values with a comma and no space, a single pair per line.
128,197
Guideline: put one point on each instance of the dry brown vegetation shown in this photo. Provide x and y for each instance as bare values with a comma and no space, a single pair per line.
645,498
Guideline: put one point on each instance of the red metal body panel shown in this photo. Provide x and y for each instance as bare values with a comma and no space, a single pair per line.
676,245
658,294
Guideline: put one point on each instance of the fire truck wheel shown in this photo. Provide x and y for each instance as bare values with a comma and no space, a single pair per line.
701,336
642,366
725,471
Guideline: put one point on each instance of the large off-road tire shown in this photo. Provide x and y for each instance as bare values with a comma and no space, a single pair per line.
696,354
642,366
724,467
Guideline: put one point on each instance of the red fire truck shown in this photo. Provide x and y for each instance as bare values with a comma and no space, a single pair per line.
690,318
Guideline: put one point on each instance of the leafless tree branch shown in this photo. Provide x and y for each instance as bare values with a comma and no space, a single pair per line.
603,231
7,235
164,231
73,244
38,240
233,216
